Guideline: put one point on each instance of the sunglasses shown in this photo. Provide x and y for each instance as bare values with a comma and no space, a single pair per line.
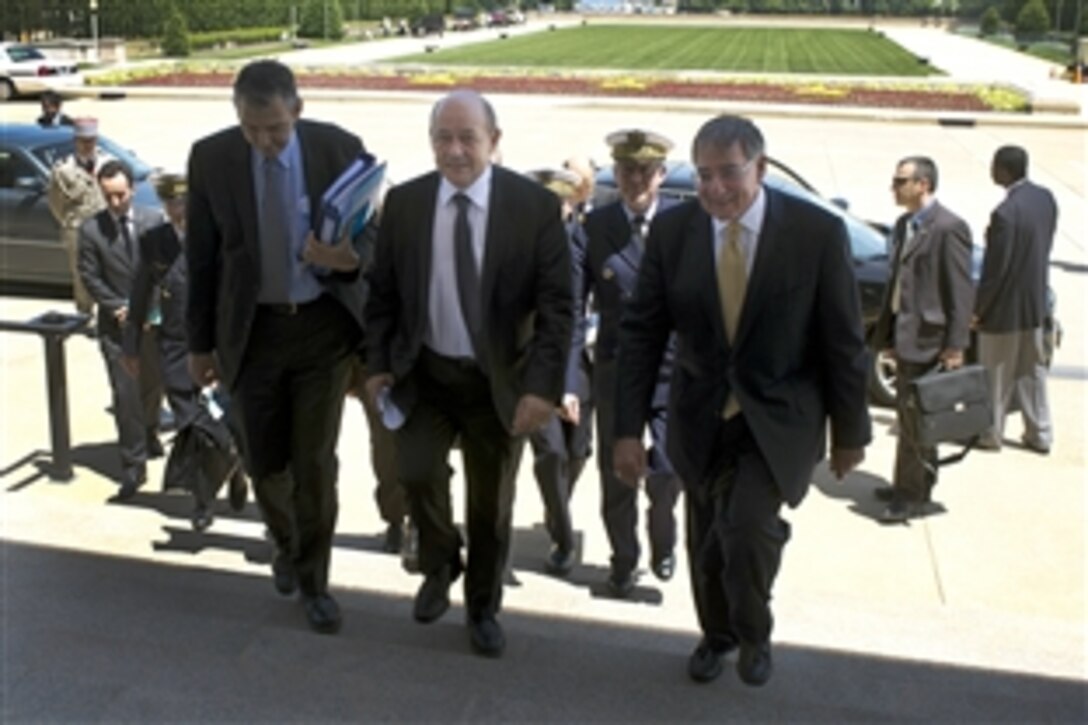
900,180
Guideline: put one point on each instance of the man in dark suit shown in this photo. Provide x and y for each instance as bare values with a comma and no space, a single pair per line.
52,115
276,329
563,446
159,291
1011,304
468,329
925,319
760,291
107,257
606,266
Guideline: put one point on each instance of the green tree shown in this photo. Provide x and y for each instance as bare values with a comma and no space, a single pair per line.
990,22
321,19
175,36
1033,20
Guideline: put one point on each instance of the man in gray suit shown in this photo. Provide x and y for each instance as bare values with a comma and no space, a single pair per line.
925,320
274,326
1011,305
107,258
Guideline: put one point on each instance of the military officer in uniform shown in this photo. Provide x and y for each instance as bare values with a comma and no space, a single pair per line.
562,447
606,265
74,195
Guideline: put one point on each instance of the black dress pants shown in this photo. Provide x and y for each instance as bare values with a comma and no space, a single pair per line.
915,464
454,402
290,398
135,401
735,540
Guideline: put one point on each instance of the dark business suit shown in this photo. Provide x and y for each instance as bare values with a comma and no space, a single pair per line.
797,360
526,319
932,266
161,282
608,270
561,448
107,265
287,370
1011,306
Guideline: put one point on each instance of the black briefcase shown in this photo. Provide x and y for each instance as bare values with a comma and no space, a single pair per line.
950,406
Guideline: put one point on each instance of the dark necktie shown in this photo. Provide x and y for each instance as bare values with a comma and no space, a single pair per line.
88,166
468,279
638,229
126,236
275,228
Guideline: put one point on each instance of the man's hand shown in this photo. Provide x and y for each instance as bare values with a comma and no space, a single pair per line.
131,365
951,359
121,315
531,414
844,460
340,257
570,409
629,460
374,385
975,322
202,368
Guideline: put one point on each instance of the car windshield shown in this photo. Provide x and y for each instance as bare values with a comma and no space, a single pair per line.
20,53
52,153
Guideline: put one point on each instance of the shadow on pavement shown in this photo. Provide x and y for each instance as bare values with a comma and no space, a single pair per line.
97,638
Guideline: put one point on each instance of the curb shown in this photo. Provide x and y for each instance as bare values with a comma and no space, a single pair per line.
876,115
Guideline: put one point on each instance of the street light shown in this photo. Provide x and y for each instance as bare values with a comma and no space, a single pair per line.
94,28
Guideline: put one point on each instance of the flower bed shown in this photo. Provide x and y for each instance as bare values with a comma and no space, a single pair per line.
879,94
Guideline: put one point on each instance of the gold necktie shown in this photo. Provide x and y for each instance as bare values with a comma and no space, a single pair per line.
732,284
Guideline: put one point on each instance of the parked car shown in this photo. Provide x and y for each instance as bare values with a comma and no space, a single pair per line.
466,19
31,257
429,24
25,70
868,245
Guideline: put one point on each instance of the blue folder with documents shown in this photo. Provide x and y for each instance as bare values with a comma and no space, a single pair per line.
348,204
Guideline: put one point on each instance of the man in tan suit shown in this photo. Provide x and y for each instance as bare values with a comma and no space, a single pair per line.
74,195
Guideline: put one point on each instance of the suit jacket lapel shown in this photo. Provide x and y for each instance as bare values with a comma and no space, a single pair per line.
239,180
916,241
619,238
494,250
313,171
700,240
423,249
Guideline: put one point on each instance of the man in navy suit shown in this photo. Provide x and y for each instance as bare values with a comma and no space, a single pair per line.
1011,305
607,256
759,288
277,329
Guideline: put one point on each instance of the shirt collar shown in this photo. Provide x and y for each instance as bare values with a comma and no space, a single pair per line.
287,156
751,220
919,217
646,215
478,191
1015,185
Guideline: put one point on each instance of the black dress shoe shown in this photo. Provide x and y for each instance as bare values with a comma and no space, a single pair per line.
130,484
705,663
322,612
754,666
900,512
621,584
664,567
283,575
433,597
486,636
238,490
202,518
559,561
1041,449
394,538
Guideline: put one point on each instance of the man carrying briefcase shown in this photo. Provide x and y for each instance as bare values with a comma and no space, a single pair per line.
925,320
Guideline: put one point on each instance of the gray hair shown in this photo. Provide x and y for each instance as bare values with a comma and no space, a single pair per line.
467,94
924,168
724,131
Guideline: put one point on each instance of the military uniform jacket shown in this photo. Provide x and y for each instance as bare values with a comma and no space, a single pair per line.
606,263
74,194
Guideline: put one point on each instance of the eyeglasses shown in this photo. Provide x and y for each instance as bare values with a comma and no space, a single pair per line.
900,180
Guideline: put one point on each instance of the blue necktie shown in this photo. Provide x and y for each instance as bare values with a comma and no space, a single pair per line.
275,232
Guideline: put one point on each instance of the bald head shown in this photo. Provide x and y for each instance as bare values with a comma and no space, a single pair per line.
464,136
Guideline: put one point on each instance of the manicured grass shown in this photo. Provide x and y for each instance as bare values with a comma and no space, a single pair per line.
641,47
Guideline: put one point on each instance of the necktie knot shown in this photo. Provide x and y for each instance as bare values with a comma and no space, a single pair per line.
638,224
462,202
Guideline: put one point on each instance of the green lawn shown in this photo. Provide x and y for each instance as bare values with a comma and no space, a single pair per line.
640,47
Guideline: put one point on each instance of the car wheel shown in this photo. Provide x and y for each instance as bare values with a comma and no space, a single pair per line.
882,379
7,89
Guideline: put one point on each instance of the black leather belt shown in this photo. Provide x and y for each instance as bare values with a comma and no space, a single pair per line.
287,309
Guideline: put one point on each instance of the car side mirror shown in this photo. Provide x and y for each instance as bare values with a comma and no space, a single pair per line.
30,183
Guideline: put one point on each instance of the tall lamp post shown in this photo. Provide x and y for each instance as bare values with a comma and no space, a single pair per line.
94,28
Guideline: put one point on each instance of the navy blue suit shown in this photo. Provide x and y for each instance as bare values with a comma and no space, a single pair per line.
607,261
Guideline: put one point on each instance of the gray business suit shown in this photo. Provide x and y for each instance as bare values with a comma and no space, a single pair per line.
933,268
107,267
1011,307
